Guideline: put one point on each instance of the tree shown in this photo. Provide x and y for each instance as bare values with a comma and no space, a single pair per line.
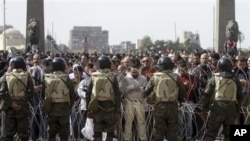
159,44
146,42
241,37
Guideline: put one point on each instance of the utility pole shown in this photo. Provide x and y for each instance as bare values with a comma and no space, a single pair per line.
4,34
175,37
213,28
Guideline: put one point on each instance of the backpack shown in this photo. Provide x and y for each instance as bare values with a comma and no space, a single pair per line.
103,86
232,30
225,89
56,87
166,87
17,84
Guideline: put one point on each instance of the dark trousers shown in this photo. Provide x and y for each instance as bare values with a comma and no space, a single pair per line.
78,121
16,123
38,125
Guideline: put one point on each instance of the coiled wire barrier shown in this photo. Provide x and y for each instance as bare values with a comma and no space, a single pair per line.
185,112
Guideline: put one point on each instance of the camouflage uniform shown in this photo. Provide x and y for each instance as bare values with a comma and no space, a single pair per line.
58,116
16,121
223,111
105,117
166,113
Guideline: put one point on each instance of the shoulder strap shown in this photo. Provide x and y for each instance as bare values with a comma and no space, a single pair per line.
222,85
19,81
64,82
213,95
173,79
110,79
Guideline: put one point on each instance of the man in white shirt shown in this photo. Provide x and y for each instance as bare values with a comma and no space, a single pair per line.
133,104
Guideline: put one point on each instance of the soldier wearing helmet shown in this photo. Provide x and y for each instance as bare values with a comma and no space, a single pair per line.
221,98
103,98
59,98
16,91
164,90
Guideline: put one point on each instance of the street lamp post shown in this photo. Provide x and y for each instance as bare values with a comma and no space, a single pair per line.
4,34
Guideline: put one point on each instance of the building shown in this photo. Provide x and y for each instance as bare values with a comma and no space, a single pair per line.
139,44
89,39
128,46
117,49
188,36
123,47
6,27
14,38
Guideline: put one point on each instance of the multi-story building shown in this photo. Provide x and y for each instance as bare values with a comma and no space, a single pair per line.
89,39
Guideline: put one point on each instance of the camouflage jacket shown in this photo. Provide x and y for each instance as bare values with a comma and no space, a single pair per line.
6,97
149,91
208,98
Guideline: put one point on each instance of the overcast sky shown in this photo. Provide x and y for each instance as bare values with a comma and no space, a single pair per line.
129,20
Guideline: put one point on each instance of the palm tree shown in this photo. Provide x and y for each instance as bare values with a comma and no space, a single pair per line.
241,37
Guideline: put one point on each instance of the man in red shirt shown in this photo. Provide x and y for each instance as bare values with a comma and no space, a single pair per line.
187,110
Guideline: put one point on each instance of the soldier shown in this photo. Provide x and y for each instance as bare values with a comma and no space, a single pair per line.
164,90
16,90
104,98
221,98
59,97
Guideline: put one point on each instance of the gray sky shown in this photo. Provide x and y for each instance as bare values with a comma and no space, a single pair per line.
128,20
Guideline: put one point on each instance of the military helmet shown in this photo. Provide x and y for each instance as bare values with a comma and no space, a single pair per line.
104,62
47,61
165,63
225,65
58,64
18,63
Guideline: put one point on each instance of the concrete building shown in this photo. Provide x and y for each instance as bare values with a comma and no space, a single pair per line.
139,44
128,46
123,47
89,39
188,36
14,38
6,27
117,49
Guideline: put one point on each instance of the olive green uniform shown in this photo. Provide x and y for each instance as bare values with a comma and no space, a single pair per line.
221,98
16,121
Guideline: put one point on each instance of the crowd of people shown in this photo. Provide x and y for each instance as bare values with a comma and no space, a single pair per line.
174,95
